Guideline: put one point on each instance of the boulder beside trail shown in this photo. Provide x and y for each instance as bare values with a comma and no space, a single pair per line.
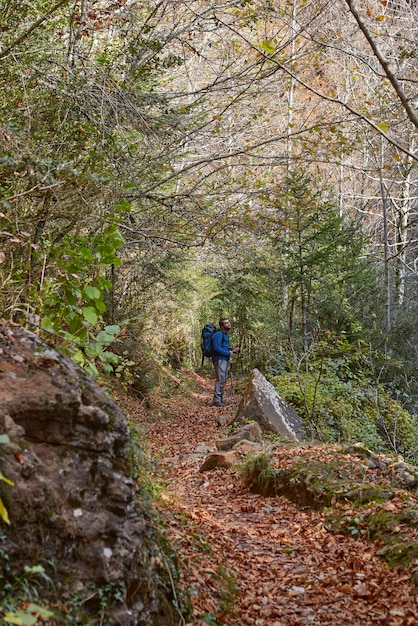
74,507
262,404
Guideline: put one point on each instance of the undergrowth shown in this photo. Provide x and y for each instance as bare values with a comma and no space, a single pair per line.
258,475
340,401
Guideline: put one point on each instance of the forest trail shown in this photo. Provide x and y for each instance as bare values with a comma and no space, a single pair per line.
250,560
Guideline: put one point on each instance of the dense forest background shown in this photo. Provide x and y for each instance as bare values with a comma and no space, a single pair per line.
166,163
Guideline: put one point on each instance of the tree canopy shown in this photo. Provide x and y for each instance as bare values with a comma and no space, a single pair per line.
165,163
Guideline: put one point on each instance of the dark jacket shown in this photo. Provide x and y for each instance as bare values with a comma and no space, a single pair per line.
220,346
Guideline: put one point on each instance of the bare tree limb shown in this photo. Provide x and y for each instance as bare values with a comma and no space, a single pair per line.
410,110
337,101
35,25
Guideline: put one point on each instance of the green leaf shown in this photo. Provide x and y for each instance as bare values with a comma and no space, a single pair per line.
93,349
46,323
85,253
104,338
106,252
6,480
92,292
70,297
90,315
3,513
13,618
100,306
383,126
35,569
104,283
113,330
79,357
123,205
39,610
20,619
74,324
268,46
109,357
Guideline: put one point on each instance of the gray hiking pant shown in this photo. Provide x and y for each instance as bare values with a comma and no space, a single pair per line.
221,372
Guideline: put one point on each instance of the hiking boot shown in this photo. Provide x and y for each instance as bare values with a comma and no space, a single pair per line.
218,404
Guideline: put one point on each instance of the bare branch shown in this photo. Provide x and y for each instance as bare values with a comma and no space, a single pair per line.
35,25
324,96
410,111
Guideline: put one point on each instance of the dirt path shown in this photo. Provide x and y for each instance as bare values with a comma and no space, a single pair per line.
248,560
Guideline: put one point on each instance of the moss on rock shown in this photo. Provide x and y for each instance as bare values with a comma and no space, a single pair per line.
361,499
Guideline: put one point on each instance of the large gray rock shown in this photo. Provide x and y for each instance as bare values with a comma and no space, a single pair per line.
261,403
74,507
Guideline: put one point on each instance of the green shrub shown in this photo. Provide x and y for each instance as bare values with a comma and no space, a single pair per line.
259,476
338,400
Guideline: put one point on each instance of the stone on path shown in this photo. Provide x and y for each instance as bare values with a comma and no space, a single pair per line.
219,459
249,432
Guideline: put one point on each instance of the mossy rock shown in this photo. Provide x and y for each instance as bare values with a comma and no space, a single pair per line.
365,493
312,483
400,554
319,485
380,525
387,528
361,512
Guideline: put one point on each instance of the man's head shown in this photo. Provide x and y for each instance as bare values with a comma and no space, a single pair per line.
224,324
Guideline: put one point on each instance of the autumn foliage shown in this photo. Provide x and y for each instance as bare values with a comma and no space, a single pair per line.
247,559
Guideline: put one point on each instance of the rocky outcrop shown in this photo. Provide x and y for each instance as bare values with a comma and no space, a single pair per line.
261,403
74,507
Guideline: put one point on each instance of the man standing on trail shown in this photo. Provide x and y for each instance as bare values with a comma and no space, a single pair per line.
221,353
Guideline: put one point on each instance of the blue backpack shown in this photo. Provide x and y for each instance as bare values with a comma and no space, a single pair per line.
206,344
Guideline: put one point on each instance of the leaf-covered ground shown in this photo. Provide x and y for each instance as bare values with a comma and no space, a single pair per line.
250,560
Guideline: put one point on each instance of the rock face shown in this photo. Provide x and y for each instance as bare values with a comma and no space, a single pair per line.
73,503
261,403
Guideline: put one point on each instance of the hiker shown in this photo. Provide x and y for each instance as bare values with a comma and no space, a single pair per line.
221,354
